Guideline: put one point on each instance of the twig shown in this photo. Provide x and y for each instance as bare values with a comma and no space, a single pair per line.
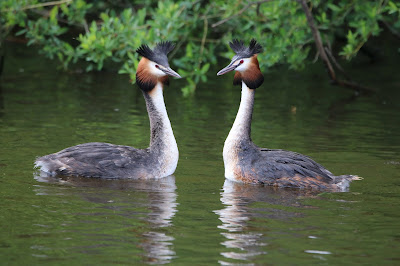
316,57
354,85
323,54
203,40
46,14
177,46
53,3
338,66
85,26
317,39
207,40
181,41
239,13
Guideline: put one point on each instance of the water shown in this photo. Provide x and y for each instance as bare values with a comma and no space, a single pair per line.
195,216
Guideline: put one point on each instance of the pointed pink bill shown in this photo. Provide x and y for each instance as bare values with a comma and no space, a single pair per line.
227,69
169,71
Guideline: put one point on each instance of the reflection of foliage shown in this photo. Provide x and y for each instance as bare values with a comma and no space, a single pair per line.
107,34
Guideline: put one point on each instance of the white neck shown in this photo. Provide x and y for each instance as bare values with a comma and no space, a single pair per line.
240,131
242,126
162,140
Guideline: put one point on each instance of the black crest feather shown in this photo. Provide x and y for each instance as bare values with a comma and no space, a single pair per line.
164,47
237,45
243,51
158,54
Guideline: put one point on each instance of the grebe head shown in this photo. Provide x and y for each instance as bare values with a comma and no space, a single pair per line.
245,63
154,66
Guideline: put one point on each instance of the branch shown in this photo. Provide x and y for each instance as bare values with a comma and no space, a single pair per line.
239,13
317,39
323,54
338,66
45,13
206,40
53,3
203,40
354,85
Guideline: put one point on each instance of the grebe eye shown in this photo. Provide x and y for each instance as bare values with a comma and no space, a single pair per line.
241,62
157,66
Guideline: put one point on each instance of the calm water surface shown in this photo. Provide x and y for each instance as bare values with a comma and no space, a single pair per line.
195,216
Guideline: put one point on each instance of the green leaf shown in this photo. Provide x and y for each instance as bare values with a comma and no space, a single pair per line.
189,50
333,7
53,14
104,16
20,32
205,68
64,9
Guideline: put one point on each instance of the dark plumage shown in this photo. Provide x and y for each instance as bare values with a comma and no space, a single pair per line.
98,159
243,51
278,167
158,54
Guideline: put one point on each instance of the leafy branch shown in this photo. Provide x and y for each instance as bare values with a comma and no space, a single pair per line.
103,34
240,12
52,3
321,50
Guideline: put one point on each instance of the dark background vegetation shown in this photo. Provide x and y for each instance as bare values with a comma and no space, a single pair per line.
104,34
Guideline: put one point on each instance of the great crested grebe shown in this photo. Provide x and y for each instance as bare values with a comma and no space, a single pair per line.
106,160
244,161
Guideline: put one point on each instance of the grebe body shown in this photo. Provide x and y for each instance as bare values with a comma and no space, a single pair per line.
244,161
105,160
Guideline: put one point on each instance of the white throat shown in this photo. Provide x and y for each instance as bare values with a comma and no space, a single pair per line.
158,100
164,141
240,131
242,124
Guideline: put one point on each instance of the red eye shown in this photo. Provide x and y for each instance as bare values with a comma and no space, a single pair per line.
157,66
241,61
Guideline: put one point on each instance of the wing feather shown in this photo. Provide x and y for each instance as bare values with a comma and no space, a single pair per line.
290,164
92,159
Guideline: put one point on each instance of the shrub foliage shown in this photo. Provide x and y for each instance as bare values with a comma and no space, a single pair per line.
106,33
